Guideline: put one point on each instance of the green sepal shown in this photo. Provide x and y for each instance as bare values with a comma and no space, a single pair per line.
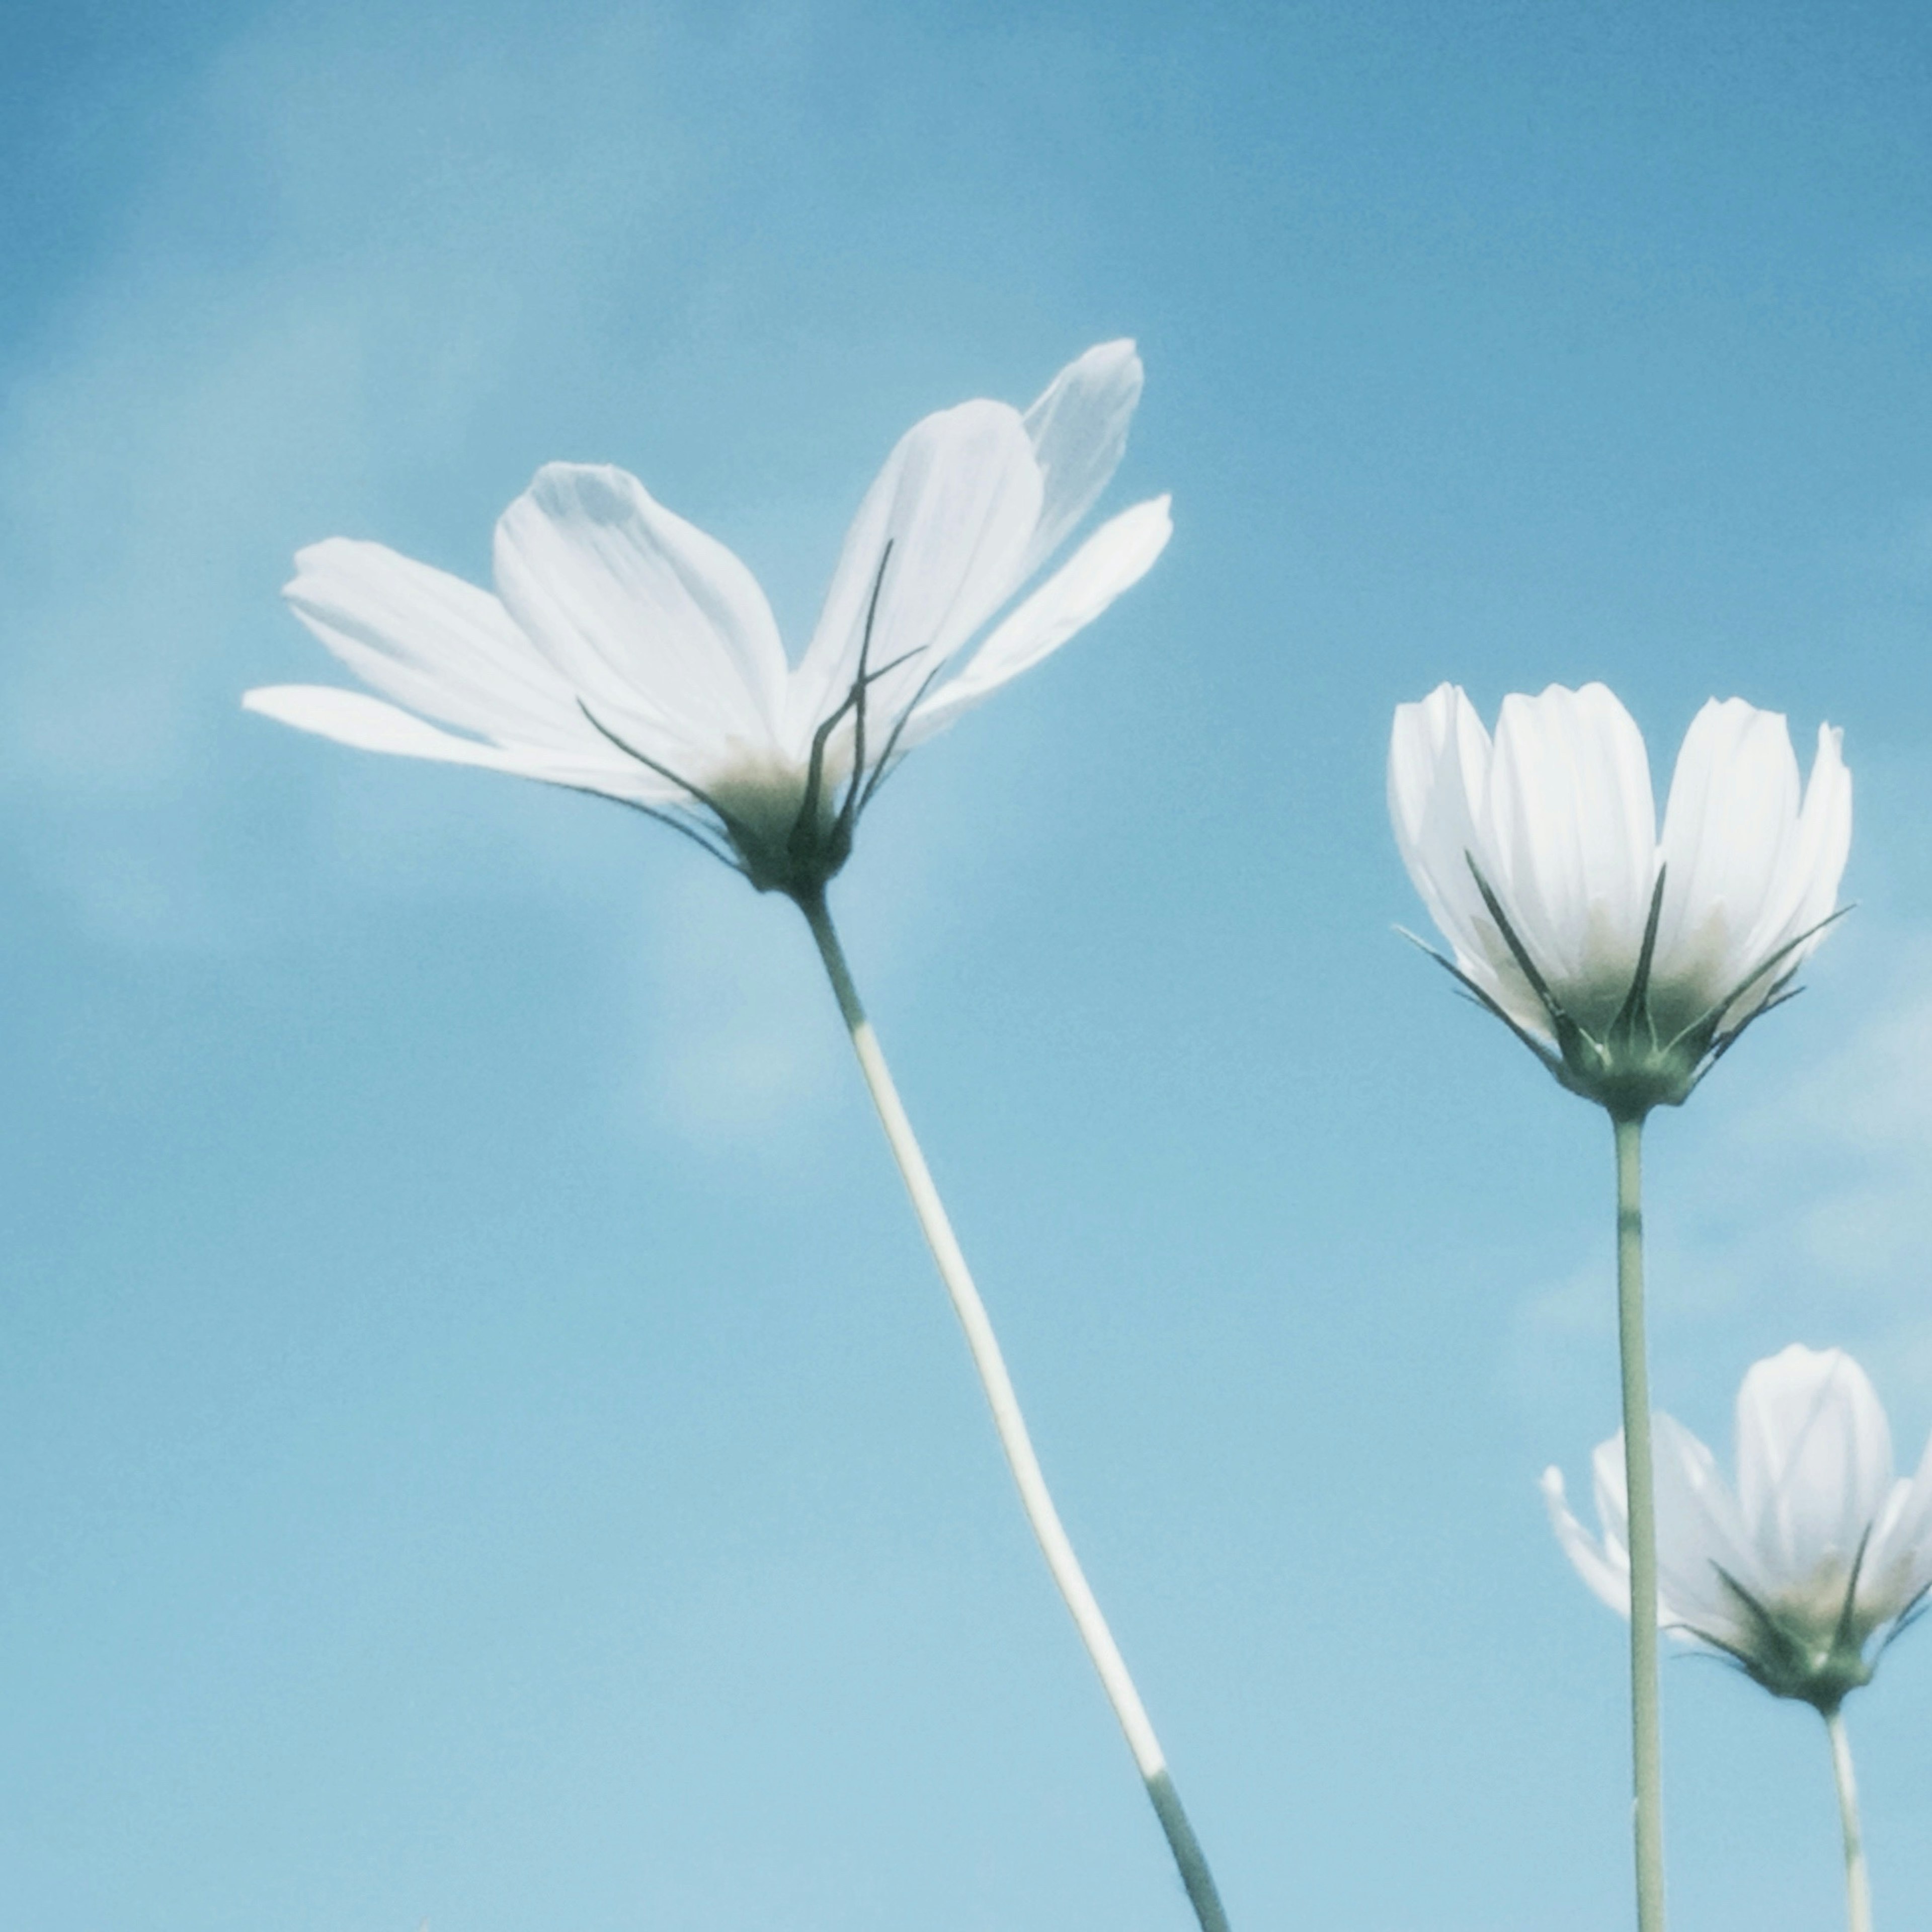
1631,1065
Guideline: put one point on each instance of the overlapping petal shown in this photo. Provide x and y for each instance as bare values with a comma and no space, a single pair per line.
1112,560
1079,430
1814,1461
1557,818
1765,1573
1569,829
657,628
628,653
432,642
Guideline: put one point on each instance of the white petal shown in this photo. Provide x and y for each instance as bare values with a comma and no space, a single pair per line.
661,631
1700,1539
1438,772
1814,1462
432,642
1807,893
1570,822
1898,1566
1604,1566
1731,819
1079,429
352,718
1113,559
958,501
1824,834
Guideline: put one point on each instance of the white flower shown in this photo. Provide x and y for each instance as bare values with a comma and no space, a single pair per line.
1821,1549
1628,963
626,653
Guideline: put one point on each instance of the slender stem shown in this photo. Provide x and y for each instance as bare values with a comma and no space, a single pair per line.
1011,1425
1858,1882
1641,1486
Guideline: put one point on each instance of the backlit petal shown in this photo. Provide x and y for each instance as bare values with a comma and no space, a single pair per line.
958,501
432,642
1814,1461
1570,823
1079,430
1604,1566
658,628
1113,559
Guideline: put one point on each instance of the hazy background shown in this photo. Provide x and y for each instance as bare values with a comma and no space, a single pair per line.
479,1436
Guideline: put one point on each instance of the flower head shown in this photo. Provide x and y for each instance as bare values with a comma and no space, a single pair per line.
1821,1550
626,653
1627,963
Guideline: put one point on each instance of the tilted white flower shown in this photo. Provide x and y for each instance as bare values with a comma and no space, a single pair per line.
1628,962
1821,1549
625,652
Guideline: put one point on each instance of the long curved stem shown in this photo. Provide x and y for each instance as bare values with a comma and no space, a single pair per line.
1011,1425
1858,1881
1640,1484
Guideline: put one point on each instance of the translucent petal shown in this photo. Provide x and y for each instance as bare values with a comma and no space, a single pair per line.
1570,823
1438,776
959,501
1700,1538
1079,430
352,718
1900,1562
1113,559
657,627
1604,1566
1728,832
1814,1463
433,642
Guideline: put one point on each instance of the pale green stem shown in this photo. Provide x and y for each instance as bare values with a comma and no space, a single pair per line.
1640,1484
1858,1882
1011,1429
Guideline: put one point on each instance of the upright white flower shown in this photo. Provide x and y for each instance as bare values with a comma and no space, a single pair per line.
1627,962
1821,1556
625,652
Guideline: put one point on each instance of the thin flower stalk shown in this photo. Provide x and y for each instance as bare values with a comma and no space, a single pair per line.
1858,1882
1804,1575
1010,1425
624,653
1628,960
1640,1481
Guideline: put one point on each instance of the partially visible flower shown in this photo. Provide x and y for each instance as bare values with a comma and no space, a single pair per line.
1818,1561
1626,963
626,653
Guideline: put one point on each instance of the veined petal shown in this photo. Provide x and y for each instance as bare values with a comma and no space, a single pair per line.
657,627
958,500
1807,893
431,641
1727,831
1079,430
1604,1566
1899,1563
1113,559
353,717
1571,823
1814,1462
1824,840
1700,1537
1438,769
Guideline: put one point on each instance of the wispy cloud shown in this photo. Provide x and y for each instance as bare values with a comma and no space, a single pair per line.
295,319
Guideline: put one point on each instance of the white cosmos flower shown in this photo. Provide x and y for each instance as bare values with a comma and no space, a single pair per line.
625,652
1821,1548
1628,961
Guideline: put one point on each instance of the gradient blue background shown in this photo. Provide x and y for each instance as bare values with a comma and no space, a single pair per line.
479,1437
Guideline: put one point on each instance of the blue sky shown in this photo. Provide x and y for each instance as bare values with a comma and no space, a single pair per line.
479,1438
